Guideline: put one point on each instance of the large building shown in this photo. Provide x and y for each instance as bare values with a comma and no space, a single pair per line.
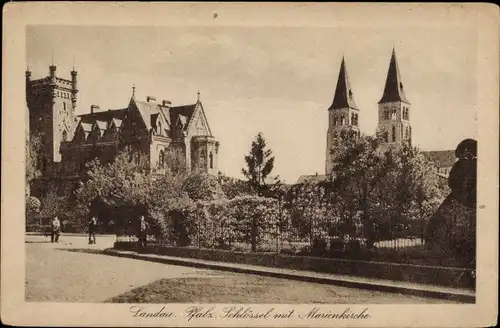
149,131
393,110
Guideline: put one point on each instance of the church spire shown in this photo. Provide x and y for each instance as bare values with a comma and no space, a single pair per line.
394,88
344,96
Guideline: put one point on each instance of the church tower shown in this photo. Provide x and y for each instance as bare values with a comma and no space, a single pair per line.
51,104
343,114
394,108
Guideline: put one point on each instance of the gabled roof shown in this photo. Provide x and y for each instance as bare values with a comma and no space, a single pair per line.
102,125
184,113
146,109
183,119
394,88
311,178
442,158
344,97
87,127
117,122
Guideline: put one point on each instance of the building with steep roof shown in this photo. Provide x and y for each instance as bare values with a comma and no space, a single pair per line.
393,107
148,130
343,114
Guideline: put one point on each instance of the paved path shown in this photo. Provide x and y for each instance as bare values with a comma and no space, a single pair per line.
73,271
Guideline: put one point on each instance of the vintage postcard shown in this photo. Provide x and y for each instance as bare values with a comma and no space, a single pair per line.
250,165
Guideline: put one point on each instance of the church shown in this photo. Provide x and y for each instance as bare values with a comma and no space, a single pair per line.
146,129
394,110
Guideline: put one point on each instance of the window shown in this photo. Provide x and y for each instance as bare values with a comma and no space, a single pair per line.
65,135
64,106
137,157
386,114
335,120
393,133
159,128
162,158
211,160
342,120
386,136
393,114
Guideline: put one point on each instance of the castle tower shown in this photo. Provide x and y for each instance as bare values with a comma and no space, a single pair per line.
343,114
51,104
394,108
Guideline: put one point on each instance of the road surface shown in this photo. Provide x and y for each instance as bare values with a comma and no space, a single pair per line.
73,271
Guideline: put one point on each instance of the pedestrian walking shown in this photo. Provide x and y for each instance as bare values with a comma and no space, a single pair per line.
56,230
143,232
92,229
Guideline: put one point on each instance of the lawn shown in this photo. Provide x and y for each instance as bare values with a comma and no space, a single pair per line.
238,288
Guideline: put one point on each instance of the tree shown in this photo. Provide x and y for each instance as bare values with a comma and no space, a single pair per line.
33,205
129,188
233,187
32,149
260,163
389,186
203,187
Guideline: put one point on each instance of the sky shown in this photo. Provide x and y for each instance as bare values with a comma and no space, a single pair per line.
276,80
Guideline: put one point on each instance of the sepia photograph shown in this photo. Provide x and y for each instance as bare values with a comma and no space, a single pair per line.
227,167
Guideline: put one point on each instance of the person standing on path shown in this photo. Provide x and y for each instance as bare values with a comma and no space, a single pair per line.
143,232
56,230
92,229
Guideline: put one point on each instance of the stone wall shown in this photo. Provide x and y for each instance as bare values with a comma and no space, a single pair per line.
444,276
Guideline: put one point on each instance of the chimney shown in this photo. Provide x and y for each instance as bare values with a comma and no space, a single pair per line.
150,98
166,103
94,107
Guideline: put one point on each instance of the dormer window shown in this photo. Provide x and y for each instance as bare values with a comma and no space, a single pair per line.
350,94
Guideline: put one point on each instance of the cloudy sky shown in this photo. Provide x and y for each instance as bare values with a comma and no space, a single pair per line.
275,80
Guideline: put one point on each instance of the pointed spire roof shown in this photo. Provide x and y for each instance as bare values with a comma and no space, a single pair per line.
344,96
394,88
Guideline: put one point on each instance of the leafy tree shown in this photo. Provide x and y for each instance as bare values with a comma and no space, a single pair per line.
32,149
260,163
254,217
391,187
233,187
33,205
203,186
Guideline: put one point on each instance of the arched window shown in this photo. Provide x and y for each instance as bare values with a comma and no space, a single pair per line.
342,120
65,135
335,120
211,157
393,133
162,159
64,106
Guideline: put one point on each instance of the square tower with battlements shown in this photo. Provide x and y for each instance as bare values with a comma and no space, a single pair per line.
51,105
